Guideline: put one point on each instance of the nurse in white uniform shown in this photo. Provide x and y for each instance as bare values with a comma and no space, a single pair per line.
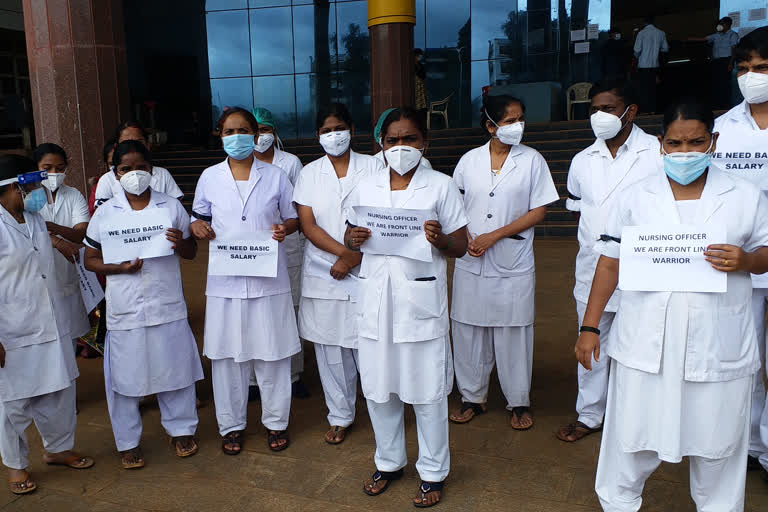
377,137
268,150
37,363
404,349
150,348
742,150
250,325
66,219
506,188
328,313
621,155
162,181
683,364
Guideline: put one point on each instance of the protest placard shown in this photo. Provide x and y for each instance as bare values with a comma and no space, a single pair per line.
396,231
139,234
254,254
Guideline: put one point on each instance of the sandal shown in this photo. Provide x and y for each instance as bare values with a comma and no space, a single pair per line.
235,439
427,488
575,431
387,476
274,437
74,461
468,411
132,459
519,412
25,486
337,435
186,446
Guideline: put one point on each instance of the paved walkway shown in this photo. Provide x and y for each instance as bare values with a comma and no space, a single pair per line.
493,467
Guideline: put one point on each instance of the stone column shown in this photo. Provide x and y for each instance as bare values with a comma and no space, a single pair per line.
390,25
77,69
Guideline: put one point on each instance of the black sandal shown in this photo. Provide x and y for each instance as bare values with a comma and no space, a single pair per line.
426,488
518,412
234,438
476,409
389,476
273,436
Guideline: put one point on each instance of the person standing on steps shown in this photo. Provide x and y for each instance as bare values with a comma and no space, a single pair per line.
269,150
506,188
650,44
723,42
622,155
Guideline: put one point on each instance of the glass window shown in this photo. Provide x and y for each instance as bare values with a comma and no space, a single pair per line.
230,92
495,24
229,51
353,41
276,94
447,27
355,92
222,5
419,32
271,41
314,38
312,90
268,3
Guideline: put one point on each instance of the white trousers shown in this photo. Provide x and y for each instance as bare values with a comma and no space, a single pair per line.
338,368
387,420
297,362
476,350
54,417
717,485
593,385
758,436
178,415
230,392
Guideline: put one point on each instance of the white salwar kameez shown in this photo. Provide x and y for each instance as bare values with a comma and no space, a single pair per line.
399,362
38,380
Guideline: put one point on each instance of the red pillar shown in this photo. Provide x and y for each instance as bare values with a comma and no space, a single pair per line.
77,67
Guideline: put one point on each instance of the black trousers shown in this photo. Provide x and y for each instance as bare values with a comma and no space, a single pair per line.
721,83
646,85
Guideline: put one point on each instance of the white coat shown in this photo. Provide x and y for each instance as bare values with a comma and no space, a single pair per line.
380,157
721,342
69,210
269,201
157,297
420,308
162,181
294,243
523,184
595,182
320,189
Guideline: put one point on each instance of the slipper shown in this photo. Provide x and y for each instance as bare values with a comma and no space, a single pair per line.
388,476
577,430
25,487
234,438
468,411
519,412
273,436
132,459
338,434
180,450
74,461
426,488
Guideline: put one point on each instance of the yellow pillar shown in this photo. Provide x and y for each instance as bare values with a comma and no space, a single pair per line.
391,11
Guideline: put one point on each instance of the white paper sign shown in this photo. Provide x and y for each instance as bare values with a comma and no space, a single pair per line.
581,48
578,35
593,31
736,17
138,234
396,231
670,259
90,288
254,256
321,268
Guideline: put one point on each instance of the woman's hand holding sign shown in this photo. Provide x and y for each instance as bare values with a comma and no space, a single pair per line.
728,258
356,237
202,230
131,267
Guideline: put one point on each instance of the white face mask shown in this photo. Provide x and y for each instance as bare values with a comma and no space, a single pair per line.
509,134
265,142
403,159
54,181
606,126
136,182
336,143
719,28
754,87
617,37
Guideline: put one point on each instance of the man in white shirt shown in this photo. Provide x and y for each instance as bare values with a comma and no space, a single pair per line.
723,42
650,43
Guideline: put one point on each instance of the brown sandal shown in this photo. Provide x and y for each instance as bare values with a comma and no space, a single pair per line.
468,411
336,435
274,437
575,431
519,412
74,461
132,459
185,446
25,486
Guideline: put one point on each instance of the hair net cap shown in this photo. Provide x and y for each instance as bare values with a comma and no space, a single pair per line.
380,124
264,116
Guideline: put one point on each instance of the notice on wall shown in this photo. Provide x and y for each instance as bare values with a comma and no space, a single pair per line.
396,231
668,258
581,48
757,14
736,17
255,255
139,234
593,31
90,288
578,35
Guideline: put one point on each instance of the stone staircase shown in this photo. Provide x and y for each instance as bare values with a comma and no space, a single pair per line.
558,142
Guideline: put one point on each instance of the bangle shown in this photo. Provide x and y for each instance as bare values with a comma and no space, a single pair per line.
586,328
450,244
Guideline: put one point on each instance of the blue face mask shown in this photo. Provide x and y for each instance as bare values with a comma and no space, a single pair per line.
35,200
239,146
685,168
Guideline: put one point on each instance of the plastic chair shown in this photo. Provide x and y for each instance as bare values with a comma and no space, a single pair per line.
577,93
438,108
